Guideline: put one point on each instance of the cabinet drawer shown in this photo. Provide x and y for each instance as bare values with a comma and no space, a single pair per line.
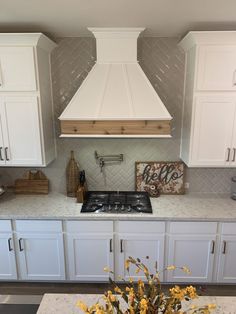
193,227
48,226
228,228
88,226
140,226
5,226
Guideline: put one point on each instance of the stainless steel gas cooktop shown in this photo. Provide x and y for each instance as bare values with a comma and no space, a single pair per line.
117,202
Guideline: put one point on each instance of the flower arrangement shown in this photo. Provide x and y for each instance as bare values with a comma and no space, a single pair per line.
148,297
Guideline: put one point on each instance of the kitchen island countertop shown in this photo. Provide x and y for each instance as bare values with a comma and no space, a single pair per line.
189,207
66,303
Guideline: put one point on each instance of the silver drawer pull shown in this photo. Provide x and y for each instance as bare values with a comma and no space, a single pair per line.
224,247
20,245
234,154
1,158
228,149
121,246
6,154
212,247
9,245
110,245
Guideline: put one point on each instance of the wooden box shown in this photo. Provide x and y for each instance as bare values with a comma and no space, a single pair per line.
34,183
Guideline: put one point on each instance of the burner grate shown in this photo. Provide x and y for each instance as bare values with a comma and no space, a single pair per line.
114,202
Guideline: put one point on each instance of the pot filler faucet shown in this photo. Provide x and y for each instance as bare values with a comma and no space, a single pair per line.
102,160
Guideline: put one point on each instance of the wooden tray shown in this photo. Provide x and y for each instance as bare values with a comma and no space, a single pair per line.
35,182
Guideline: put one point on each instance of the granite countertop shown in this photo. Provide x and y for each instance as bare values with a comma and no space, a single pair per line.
207,207
66,303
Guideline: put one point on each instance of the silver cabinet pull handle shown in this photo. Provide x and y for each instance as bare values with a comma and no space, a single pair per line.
228,149
110,245
6,153
234,80
121,246
20,245
9,245
224,247
212,247
234,154
1,158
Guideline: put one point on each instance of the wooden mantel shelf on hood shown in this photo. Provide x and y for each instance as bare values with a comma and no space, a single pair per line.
132,128
116,99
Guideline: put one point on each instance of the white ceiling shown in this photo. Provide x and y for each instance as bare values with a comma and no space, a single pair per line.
60,18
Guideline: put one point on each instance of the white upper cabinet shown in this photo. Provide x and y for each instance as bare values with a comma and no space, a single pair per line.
21,131
17,69
26,125
209,120
216,68
213,130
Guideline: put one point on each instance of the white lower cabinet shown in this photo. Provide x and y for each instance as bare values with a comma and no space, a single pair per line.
139,239
7,252
40,250
227,254
89,249
191,244
34,250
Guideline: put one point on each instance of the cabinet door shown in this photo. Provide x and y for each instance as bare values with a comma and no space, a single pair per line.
193,251
41,256
17,69
227,270
7,257
87,256
140,246
216,68
21,132
212,132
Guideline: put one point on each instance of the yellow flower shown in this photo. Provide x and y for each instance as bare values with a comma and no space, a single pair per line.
177,293
211,306
191,291
171,267
143,306
131,280
82,306
117,289
127,263
186,270
131,310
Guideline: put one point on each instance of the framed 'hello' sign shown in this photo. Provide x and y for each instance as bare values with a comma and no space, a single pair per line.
167,177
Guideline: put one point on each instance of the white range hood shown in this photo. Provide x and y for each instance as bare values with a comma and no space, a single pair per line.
116,99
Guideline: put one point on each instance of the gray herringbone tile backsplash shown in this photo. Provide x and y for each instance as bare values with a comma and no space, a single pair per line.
163,63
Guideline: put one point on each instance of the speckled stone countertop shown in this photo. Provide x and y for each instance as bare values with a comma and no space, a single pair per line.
207,207
66,303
